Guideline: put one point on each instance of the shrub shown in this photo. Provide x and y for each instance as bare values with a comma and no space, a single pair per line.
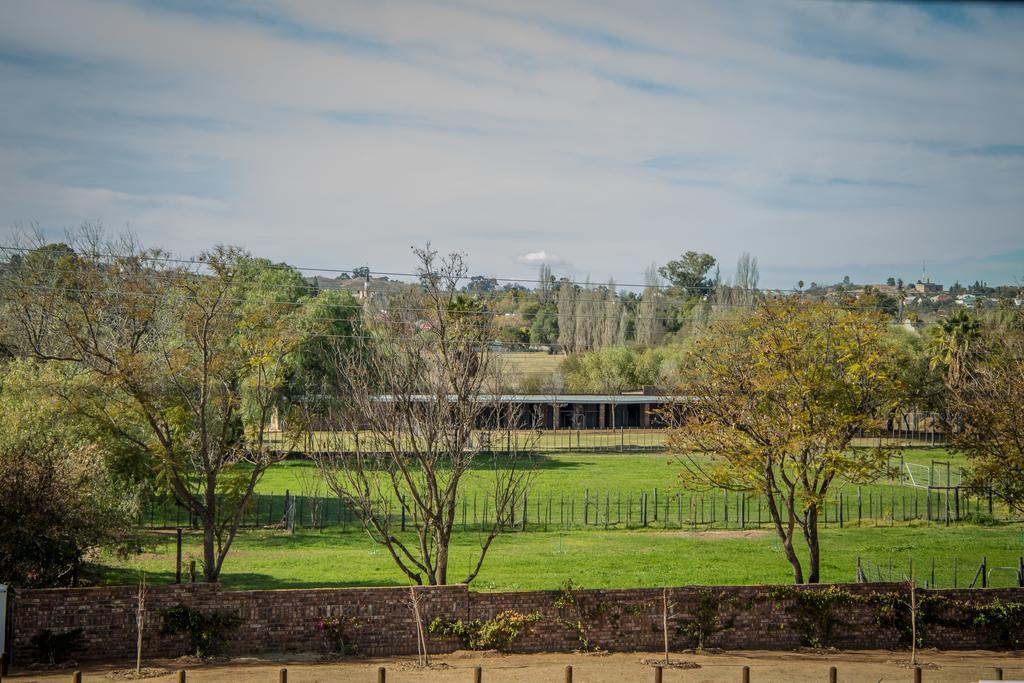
54,648
497,633
335,634
206,630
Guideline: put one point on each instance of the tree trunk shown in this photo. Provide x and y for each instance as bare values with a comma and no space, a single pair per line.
209,515
786,538
813,547
794,561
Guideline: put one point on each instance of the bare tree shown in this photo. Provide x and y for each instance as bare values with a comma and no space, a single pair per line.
408,430
567,317
140,625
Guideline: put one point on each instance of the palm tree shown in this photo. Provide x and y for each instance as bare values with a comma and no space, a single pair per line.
951,345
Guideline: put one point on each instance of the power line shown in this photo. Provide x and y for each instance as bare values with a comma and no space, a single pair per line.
386,273
113,292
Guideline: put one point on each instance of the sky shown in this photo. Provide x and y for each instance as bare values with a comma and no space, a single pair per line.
827,139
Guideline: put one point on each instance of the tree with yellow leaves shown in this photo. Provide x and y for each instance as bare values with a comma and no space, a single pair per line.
772,399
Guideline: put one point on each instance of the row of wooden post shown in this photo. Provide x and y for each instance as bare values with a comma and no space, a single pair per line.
382,674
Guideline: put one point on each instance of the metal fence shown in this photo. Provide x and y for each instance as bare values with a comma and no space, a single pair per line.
618,509
945,572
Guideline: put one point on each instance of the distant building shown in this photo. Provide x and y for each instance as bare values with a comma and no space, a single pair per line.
927,287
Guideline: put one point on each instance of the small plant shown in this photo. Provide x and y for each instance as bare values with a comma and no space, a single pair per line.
335,634
497,633
583,611
54,648
206,630
815,610
704,623
1006,617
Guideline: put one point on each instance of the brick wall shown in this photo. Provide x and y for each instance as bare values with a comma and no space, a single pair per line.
741,617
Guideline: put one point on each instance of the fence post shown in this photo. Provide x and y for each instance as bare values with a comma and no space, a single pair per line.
917,674
657,673
181,676
999,673
478,674
833,675
860,507
282,676
746,674
382,675
76,677
568,674
177,571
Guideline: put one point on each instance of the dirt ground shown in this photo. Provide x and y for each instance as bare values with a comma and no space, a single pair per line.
788,667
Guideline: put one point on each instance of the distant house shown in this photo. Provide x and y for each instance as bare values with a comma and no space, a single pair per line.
968,300
927,287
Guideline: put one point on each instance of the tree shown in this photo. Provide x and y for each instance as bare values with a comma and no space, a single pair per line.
952,344
689,273
567,338
62,499
199,354
987,401
401,440
775,397
544,329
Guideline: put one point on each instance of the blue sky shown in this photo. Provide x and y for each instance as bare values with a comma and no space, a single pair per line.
827,139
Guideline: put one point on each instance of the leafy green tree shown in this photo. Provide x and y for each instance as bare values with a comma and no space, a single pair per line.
776,397
689,273
952,343
544,329
61,495
200,355
987,401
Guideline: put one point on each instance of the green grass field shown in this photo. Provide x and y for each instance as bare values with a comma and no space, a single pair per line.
575,472
538,560
604,553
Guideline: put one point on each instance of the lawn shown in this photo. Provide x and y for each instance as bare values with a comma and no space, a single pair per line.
597,558
573,472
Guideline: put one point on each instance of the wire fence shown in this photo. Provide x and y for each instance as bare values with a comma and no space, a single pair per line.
615,509
945,572
611,440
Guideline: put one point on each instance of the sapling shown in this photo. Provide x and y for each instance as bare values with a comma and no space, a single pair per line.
140,624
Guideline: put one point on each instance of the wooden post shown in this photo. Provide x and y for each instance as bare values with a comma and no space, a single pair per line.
177,572
282,676
568,674
746,674
999,673
382,675
657,673
917,674
478,674
181,676
76,677
833,675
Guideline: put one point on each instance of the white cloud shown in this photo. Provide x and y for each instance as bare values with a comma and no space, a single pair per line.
535,257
